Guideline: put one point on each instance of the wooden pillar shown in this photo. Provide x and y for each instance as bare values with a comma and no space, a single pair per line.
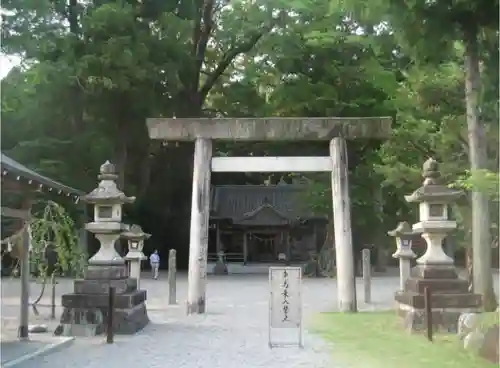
84,235
288,250
198,236
367,275
342,226
314,238
172,276
25,272
25,286
245,247
218,245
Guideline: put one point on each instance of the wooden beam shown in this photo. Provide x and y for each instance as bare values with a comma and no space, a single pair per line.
271,164
218,244
10,184
245,247
16,213
269,129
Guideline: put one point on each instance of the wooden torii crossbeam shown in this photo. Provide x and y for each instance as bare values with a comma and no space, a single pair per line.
269,129
333,129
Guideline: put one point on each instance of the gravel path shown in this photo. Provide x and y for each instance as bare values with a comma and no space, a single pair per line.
233,333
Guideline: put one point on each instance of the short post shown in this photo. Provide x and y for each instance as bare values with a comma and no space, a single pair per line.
53,296
111,311
367,277
428,312
172,271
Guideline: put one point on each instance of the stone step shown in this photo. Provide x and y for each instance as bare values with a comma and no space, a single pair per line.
442,286
122,286
126,300
106,272
454,301
434,272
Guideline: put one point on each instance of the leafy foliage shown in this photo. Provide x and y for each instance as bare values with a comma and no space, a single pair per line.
53,228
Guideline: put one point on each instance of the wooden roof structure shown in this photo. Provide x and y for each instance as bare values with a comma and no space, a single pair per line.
29,179
18,178
260,204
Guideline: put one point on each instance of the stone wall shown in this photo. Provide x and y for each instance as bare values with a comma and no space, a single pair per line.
480,333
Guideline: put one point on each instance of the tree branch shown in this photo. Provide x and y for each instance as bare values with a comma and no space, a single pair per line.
464,143
230,55
227,59
205,26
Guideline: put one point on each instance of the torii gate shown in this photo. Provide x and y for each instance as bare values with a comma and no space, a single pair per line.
204,130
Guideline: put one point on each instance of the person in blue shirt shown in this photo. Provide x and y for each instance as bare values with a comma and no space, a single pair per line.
154,260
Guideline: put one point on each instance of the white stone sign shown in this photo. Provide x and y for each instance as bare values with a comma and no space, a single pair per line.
285,304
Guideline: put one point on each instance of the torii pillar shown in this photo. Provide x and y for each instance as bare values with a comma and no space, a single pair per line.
204,130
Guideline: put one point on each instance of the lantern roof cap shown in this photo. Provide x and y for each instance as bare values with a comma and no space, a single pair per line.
135,233
107,192
403,229
432,189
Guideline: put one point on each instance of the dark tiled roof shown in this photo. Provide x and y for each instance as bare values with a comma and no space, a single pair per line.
15,168
242,203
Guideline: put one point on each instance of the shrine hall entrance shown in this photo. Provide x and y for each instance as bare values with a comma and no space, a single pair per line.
250,247
266,246
263,224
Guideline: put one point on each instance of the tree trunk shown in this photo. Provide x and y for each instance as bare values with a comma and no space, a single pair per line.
121,168
121,160
469,266
482,272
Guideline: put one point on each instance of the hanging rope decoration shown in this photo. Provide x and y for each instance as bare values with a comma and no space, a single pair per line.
15,244
53,227
266,241
16,239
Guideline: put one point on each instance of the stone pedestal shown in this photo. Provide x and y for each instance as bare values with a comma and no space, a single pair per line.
449,298
85,310
404,271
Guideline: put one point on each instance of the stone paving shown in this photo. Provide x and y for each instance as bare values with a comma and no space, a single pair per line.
233,332
13,350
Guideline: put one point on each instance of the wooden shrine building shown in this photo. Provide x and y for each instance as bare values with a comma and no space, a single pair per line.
23,184
255,223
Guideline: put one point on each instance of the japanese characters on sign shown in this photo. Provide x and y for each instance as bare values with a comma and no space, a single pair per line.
286,303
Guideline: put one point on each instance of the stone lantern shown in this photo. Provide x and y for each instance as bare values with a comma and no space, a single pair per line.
435,270
434,224
107,225
85,311
404,237
135,237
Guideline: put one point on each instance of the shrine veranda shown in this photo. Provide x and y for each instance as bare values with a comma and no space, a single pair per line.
204,130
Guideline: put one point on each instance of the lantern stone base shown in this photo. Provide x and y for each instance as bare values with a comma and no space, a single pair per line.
85,310
449,298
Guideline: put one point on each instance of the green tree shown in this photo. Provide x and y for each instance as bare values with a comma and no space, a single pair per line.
429,29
